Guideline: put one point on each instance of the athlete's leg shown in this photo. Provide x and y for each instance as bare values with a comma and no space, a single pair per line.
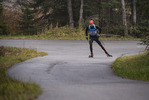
97,40
91,46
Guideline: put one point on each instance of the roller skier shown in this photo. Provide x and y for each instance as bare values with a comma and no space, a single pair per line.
94,36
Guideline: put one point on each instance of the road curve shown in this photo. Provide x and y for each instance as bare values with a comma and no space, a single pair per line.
68,74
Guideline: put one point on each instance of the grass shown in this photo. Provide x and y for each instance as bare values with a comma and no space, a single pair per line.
16,90
64,33
63,37
133,67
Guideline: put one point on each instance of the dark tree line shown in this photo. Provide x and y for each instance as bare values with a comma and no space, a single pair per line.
120,17
3,25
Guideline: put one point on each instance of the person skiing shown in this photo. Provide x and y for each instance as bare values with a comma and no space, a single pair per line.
93,36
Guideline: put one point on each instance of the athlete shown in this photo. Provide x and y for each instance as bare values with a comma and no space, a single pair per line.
94,32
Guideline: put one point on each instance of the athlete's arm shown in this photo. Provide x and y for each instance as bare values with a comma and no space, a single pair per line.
99,28
86,33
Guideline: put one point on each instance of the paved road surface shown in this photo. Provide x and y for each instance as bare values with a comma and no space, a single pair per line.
68,74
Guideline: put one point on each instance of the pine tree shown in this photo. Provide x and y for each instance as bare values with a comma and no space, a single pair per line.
53,12
143,16
4,30
81,13
134,12
26,21
70,12
124,18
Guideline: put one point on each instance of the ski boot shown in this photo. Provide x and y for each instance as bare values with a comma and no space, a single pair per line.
108,55
91,56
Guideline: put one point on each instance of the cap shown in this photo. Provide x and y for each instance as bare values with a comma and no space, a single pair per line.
91,22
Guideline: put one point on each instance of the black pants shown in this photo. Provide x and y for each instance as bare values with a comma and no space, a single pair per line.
95,38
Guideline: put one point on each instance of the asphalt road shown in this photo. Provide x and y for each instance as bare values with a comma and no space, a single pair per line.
68,74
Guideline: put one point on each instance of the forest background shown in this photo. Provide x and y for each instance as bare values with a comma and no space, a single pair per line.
67,19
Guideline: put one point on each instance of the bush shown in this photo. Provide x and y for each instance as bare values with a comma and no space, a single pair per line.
4,30
145,41
141,30
115,30
134,31
11,17
3,25
63,33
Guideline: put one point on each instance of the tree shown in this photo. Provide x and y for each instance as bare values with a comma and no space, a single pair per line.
49,12
1,10
100,9
143,20
134,12
124,18
4,30
71,21
81,13
26,20
142,10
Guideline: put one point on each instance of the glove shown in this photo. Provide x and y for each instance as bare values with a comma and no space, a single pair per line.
86,37
98,35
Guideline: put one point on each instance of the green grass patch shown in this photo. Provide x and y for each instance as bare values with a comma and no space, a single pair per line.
134,67
65,33
63,37
15,90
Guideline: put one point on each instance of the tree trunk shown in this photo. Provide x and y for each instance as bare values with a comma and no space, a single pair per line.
134,12
81,14
71,22
124,18
100,9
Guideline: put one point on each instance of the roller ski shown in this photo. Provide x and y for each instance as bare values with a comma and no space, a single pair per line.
108,55
91,56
